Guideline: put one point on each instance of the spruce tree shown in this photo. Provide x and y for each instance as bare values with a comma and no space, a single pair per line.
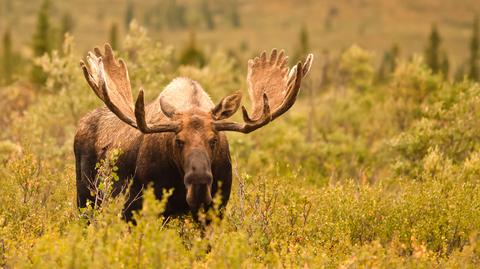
329,17
207,14
234,14
42,40
7,61
129,14
445,65
303,44
43,31
474,61
191,55
65,27
174,14
67,24
389,63
114,36
432,52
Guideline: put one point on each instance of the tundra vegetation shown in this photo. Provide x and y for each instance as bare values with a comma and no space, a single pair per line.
358,174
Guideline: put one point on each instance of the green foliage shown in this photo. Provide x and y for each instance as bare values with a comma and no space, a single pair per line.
234,14
12,63
147,69
331,15
174,14
42,40
435,58
191,54
356,68
303,44
432,52
389,63
449,124
391,178
207,14
474,70
113,36
67,24
7,59
129,14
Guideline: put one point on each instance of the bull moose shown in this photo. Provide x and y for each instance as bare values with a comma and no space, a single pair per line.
176,141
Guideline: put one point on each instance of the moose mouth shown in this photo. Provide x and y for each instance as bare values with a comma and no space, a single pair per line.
198,195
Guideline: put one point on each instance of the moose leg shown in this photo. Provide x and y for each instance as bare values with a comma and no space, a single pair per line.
222,174
85,173
134,201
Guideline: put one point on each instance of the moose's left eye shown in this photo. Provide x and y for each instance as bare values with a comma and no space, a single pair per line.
213,142
179,143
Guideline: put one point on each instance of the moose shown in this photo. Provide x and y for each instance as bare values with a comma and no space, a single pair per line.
177,141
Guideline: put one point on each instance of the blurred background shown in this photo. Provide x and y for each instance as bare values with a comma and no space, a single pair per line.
244,27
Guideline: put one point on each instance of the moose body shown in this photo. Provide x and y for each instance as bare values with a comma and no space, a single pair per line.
150,158
177,141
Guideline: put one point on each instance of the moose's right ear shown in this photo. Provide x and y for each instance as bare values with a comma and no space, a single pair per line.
167,109
227,106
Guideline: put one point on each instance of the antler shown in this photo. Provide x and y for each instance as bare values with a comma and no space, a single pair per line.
273,89
108,78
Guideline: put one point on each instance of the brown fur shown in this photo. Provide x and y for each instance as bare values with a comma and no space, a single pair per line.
155,158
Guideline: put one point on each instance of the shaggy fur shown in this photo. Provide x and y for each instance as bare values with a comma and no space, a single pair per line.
153,158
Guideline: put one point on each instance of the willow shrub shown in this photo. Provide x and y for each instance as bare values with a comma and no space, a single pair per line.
390,179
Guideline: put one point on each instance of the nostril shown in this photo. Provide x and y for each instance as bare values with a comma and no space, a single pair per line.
196,178
198,194
199,188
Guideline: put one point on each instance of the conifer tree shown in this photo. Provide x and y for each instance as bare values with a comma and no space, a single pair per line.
329,18
114,36
445,65
389,63
67,24
191,55
43,31
42,40
174,14
303,44
207,14
129,14
474,61
7,59
432,52
234,14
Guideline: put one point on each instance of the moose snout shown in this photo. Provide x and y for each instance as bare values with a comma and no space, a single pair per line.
198,189
198,180
198,195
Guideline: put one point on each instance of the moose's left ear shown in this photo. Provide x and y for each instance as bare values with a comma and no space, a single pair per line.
227,106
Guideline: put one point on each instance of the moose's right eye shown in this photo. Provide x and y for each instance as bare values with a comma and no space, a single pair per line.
179,143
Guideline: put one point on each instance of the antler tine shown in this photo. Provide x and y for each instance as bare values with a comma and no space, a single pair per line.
265,113
89,78
121,114
292,92
108,78
308,64
293,87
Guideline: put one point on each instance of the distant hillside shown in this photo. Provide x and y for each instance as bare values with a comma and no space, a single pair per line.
332,24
